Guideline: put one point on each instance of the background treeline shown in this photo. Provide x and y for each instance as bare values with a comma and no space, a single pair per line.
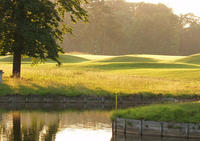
116,27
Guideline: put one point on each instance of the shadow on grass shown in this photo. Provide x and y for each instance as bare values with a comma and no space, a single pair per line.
129,59
80,90
5,89
76,90
113,66
63,58
72,59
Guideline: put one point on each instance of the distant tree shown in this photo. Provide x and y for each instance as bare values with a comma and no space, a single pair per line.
35,28
190,43
116,27
155,30
104,33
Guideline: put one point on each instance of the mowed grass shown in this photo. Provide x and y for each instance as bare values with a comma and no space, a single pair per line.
181,113
104,75
193,59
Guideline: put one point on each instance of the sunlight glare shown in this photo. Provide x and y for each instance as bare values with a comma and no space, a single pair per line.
83,135
178,6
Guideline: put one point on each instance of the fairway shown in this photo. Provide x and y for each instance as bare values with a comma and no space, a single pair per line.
105,75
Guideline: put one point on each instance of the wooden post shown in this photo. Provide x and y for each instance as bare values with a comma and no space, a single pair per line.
1,73
113,128
161,129
188,130
141,127
125,127
116,102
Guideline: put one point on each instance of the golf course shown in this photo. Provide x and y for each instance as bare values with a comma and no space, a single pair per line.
84,74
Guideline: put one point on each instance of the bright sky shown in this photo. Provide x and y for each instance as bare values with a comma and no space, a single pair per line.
179,6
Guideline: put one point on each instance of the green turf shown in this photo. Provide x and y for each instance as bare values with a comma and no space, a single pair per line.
8,59
129,58
90,75
193,59
66,58
124,66
181,113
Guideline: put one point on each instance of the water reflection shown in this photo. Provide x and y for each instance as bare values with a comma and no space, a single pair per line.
16,126
55,126
62,126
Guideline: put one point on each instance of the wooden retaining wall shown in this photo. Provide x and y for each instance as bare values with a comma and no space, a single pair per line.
80,102
128,100
131,137
152,128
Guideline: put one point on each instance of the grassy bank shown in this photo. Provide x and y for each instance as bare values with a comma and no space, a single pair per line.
105,75
181,113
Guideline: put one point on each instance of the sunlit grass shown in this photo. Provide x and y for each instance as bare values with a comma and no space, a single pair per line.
182,113
85,76
141,58
161,57
92,57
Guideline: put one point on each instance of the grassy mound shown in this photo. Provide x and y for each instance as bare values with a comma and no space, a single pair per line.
182,113
129,59
72,59
92,57
128,65
193,59
161,57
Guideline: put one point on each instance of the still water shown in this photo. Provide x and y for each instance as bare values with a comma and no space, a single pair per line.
70,125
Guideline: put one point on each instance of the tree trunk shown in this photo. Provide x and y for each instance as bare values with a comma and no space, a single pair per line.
16,64
18,38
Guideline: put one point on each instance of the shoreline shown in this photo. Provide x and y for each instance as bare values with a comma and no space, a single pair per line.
155,128
121,99
53,102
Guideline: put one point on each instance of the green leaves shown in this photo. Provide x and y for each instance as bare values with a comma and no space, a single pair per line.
73,7
35,28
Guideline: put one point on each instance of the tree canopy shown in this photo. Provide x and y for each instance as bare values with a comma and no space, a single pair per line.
116,27
35,28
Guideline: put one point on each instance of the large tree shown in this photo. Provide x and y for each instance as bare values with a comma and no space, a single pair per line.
35,28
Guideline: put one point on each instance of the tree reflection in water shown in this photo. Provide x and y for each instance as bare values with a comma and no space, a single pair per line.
36,132
55,126
16,126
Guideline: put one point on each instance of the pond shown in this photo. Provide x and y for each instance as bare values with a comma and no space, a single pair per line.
65,125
